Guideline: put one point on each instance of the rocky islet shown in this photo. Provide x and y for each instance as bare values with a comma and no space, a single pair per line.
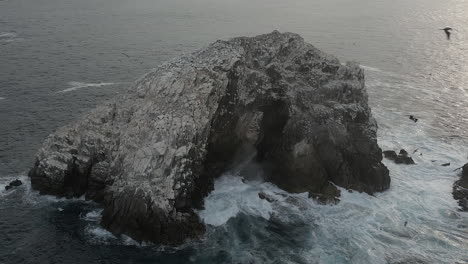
151,155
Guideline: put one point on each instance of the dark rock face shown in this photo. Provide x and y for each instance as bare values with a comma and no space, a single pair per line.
460,189
266,197
403,152
390,154
131,212
401,158
13,184
151,155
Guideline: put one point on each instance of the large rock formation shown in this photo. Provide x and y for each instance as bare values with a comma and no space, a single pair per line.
460,189
151,155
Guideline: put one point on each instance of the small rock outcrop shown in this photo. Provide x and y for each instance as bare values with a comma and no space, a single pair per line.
151,155
460,189
266,197
13,184
401,158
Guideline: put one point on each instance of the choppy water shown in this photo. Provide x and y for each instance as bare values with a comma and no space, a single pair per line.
59,58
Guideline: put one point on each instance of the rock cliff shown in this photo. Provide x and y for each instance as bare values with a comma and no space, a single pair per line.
151,155
460,189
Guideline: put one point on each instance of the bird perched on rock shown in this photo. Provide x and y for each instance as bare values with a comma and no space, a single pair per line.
447,31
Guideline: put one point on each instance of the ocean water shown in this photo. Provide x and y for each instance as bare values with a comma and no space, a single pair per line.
60,58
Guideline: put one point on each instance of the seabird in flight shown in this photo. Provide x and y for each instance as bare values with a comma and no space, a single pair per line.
447,31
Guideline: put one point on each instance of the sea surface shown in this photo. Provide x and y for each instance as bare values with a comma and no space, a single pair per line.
60,58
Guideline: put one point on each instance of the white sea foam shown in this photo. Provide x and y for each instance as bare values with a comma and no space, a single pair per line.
128,241
99,235
3,184
369,68
380,72
232,196
93,216
6,37
78,85
8,34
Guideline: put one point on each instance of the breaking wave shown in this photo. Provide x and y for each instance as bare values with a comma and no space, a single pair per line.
78,85
232,196
7,37
369,68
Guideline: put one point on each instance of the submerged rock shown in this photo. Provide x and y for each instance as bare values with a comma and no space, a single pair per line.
460,189
401,158
13,184
151,155
328,194
266,197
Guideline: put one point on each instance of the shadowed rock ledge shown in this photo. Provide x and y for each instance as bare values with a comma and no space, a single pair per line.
460,189
151,155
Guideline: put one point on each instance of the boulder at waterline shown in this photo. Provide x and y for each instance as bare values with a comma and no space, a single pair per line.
266,197
460,189
151,155
401,158
13,184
